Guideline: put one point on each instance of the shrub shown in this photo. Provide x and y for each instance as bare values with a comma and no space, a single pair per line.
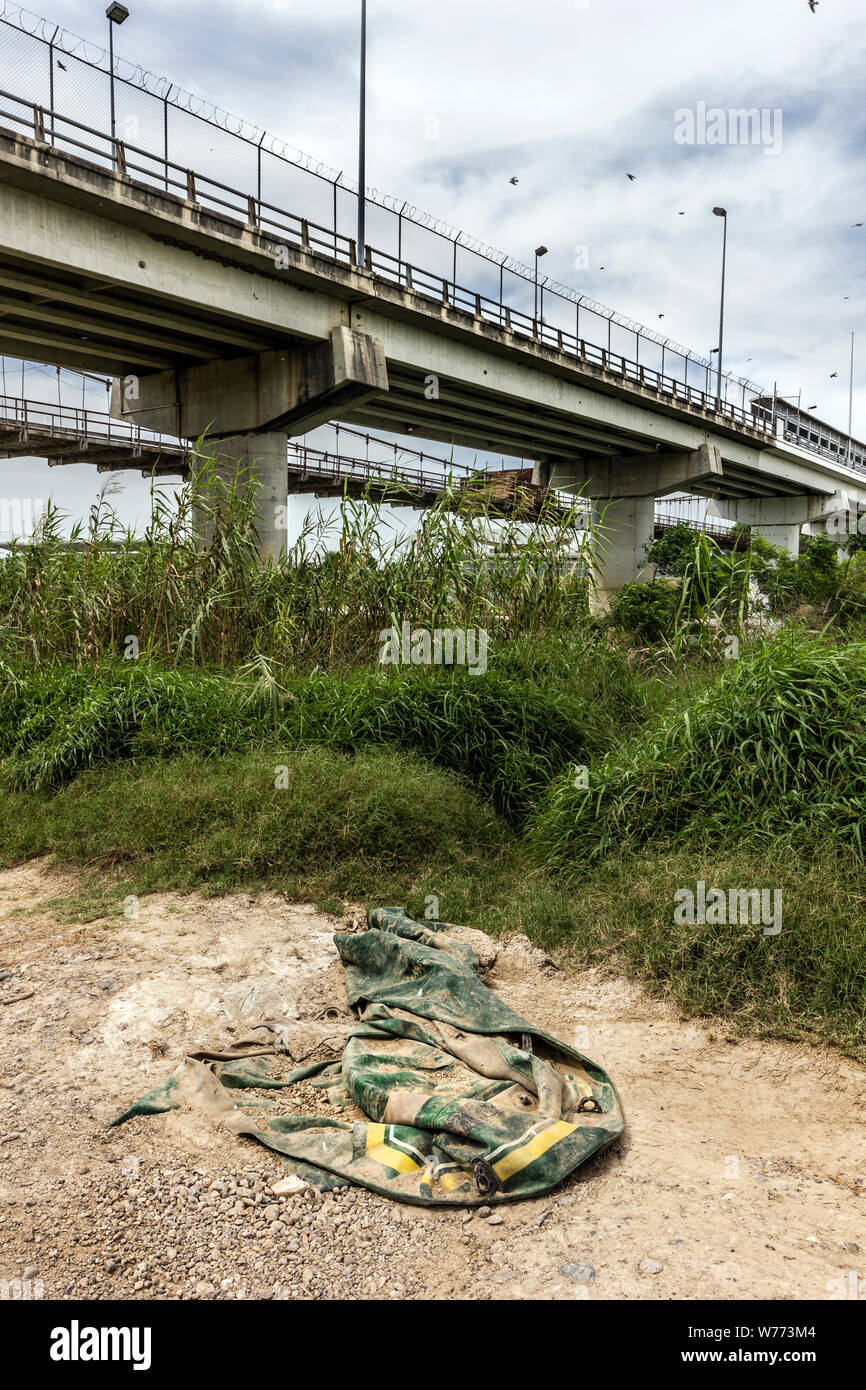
645,612
776,745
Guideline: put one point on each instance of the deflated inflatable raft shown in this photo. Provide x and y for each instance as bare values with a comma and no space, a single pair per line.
460,1100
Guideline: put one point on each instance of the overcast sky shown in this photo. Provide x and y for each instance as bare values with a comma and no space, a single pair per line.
568,98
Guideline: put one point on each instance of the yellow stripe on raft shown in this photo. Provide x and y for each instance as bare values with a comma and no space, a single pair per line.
512,1162
386,1155
450,1181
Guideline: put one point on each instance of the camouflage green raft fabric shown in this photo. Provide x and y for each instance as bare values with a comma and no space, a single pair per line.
461,1100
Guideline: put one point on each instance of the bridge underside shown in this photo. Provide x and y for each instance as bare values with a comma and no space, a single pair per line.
213,327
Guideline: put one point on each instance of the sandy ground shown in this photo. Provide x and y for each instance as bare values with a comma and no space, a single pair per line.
741,1174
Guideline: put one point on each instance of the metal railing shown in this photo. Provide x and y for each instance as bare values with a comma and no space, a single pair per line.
177,121
484,307
281,223
75,423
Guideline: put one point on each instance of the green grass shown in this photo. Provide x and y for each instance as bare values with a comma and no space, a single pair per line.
506,732
408,784
383,826
774,747
225,825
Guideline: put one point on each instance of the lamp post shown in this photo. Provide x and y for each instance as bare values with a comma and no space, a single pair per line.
115,14
539,251
362,139
851,395
721,212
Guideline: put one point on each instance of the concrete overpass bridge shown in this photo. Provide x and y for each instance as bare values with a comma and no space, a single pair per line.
66,435
219,313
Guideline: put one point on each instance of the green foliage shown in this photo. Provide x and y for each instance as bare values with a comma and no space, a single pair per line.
225,824
645,612
506,737
192,588
707,589
505,734
813,577
849,602
775,746
673,551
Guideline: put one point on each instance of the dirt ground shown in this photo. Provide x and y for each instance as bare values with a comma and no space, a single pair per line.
741,1174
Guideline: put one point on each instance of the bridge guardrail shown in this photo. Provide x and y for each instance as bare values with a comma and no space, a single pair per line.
58,70
52,126
203,190
79,421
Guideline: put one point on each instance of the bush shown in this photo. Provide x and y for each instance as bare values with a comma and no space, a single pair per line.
645,612
339,825
776,745
76,722
505,736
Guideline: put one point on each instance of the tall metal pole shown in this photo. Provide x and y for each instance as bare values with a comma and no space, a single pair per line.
539,251
720,212
851,388
111,65
362,139
535,308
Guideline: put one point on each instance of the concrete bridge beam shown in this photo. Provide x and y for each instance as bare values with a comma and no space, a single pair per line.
639,475
780,519
292,389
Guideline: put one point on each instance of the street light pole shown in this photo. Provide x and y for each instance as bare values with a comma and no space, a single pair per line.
539,251
362,140
115,14
721,212
851,389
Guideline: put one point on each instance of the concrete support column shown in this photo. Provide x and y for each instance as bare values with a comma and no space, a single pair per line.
625,525
778,519
785,535
261,457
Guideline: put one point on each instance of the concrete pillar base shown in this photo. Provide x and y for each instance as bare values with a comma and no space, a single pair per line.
261,457
785,535
626,525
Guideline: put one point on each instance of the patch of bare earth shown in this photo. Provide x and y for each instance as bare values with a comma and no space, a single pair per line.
740,1175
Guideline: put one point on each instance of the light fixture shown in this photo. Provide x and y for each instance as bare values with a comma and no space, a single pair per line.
539,251
115,14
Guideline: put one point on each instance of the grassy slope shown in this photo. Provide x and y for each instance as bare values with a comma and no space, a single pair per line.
383,826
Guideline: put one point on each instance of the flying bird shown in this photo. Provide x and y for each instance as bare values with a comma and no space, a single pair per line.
832,374
514,180
856,224
631,177
813,5
681,214
62,66
601,267
661,316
